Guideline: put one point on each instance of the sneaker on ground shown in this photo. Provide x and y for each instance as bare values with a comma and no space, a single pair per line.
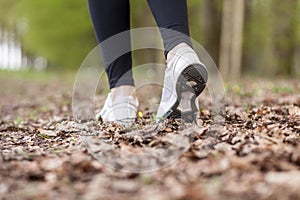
185,79
122,110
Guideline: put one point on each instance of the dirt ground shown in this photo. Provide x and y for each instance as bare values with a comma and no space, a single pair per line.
255,154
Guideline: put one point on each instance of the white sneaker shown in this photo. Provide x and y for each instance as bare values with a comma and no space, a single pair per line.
185,79
122,110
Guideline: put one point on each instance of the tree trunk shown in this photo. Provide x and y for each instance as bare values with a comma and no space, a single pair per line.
296,66
285,22
296,62
212,27
231,38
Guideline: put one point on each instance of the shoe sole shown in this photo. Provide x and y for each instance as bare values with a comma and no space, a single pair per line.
189,86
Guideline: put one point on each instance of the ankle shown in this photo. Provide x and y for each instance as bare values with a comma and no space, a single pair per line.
123,91
172,52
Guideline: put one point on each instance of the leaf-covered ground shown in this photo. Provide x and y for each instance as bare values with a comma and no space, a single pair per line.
255,154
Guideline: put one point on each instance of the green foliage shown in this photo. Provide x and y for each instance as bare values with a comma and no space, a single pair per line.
283,90
257,34
61,31
296,23
6,20
196,21
270,37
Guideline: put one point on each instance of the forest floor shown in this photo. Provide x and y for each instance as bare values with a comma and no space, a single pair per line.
253,154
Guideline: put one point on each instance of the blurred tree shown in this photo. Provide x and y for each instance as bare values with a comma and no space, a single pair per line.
270,37
58,30
6,19
211,25
231,38
9,34
283,36
197,19
296,25
257,40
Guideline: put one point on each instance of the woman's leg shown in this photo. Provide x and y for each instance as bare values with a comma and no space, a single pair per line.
172,17
110,18
186,75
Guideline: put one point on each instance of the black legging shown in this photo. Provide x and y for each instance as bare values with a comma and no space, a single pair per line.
111,17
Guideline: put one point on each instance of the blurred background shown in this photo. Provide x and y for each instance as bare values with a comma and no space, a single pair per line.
244,37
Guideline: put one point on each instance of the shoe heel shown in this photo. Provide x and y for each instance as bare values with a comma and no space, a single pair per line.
124,113
190,85
195,76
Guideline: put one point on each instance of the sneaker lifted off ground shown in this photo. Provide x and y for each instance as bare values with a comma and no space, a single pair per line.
185,79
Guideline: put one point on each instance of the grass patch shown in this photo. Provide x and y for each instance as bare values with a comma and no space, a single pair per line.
283,90
43,76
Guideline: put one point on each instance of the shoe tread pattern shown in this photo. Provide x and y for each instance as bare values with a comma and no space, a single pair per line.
198,75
